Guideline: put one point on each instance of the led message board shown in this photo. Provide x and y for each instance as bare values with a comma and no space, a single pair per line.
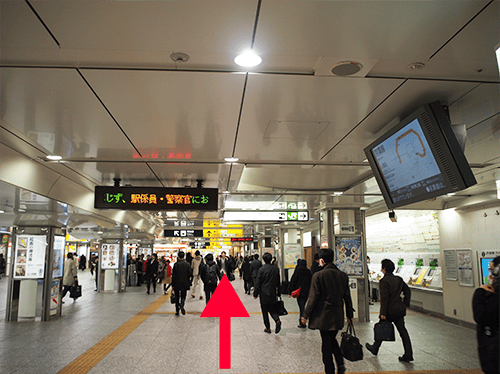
156,198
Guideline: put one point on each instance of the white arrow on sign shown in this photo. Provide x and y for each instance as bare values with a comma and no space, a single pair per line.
176,233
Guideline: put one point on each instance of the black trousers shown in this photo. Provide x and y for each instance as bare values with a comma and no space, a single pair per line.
271,309
65,291
180,299
399,322
329,348
151,280
247,285
302,306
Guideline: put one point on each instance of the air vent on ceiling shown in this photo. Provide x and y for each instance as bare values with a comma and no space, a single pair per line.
346,68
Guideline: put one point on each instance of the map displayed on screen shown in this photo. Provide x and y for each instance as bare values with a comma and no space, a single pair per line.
407,164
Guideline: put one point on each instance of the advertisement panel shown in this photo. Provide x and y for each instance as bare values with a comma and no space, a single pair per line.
110,256
30,256
349,255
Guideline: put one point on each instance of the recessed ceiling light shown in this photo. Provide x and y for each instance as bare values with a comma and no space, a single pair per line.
2,211
226,192
248,59
337,193
231,159
54,157
416,66
451,194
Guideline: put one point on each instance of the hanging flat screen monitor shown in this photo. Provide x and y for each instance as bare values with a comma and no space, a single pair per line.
419,159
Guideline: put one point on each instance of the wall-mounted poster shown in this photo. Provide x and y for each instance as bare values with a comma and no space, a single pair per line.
292,255
349,255
110,256
30,256
54,296
58,261
464,263
450,264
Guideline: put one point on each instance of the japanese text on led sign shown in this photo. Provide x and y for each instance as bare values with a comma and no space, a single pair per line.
156,198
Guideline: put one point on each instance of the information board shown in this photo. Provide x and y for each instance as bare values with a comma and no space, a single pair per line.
29,259
110,256
349,255
464,262
292,254
58,260
450,264
156,198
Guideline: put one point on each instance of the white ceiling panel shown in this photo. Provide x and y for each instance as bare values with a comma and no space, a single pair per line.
55,109
181,112
411,95
304,99
471,49
360,29
319,178
182,175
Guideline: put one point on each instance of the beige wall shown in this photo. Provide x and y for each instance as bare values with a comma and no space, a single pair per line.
464,230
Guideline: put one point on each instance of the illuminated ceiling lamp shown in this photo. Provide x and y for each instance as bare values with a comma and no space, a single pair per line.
248,59
54,157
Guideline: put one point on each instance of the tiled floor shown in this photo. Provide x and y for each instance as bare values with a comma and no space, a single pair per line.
165,343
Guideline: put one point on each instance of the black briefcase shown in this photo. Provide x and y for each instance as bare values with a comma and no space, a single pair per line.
384,331
76,291
280,308
350,347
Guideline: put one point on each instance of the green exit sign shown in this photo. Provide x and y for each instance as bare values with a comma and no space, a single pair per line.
292,216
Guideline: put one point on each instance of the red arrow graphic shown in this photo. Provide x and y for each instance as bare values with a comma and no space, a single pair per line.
225,304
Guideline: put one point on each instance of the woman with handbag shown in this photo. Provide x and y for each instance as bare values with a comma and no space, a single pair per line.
70,275
167,279
298,287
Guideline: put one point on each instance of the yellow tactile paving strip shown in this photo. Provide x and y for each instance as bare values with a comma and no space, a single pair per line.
91,358
94,355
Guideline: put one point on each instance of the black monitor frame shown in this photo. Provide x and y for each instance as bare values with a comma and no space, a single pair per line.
444,147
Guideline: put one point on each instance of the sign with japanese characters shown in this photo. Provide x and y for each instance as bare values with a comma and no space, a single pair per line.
110,256
266,216
183,233
30,256
156,198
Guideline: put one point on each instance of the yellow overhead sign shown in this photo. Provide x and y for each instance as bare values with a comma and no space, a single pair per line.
223,233
217,223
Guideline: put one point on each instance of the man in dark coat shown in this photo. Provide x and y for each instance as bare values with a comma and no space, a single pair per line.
325,309
301,278
255,265
224,264
393,309
210,276
267,286
246,273
152,272
486,314
182,276
315,265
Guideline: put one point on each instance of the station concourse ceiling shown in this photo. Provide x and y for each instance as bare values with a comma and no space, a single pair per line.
94,82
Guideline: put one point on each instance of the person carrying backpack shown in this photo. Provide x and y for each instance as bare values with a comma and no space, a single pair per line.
210,275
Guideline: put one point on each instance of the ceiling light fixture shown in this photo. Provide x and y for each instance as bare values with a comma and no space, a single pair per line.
337,193
54,157
416,66
451,194
231,159
2,211
248,59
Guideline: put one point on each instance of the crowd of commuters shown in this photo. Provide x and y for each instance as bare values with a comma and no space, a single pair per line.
322,294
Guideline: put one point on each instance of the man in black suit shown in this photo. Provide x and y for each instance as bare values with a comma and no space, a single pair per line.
325,308
224,264
255,265
267,286
393,308
152,271
182,277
